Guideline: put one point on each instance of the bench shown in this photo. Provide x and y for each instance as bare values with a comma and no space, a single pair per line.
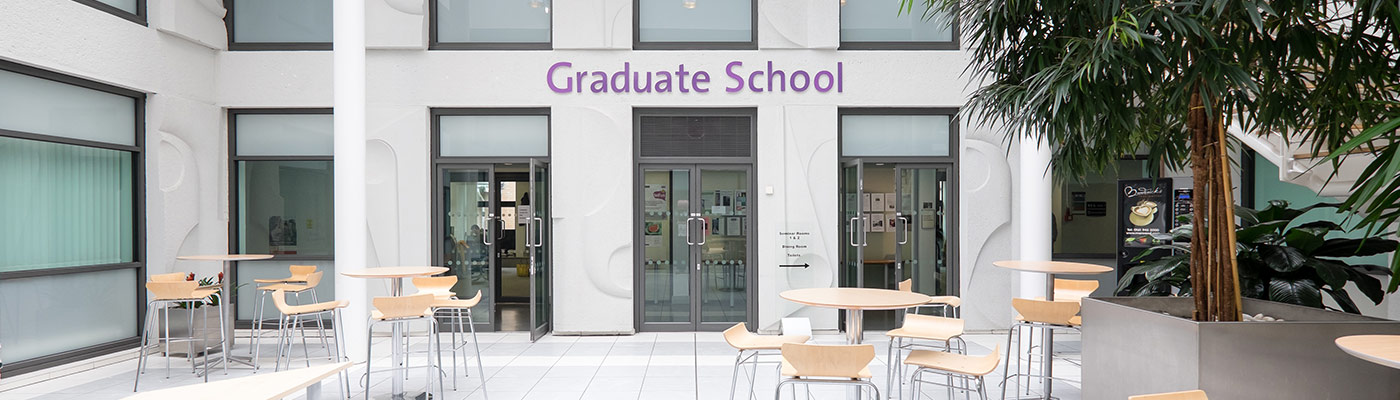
271,386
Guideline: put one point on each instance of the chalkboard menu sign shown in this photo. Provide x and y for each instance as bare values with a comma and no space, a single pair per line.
1144,219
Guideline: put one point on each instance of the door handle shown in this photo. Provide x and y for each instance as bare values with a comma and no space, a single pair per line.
490,231
539,231
851,233
864,236
529,233
902,229
689,231
704,231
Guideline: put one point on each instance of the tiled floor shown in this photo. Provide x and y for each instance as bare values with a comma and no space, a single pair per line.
665,366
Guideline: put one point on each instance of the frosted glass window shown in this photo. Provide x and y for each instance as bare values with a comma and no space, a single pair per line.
286,207
276,269
695,21
51,314
883,21
37,105
124,5
282,21
63,205
493,21
894,135
285,134
493,135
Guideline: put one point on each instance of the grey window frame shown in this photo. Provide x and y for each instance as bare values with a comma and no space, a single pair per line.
953,44
638,44
139,17
265,46
435,44
138,263
233,193
951,160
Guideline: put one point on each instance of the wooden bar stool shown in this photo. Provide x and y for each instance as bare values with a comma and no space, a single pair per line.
168,293
1036,314
956,367
845,365
311,280
1186,395
941,333
739,337
459,312
1073,290
405,310
950,305
293,318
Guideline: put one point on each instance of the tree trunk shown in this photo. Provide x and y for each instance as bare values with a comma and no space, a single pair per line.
1214,276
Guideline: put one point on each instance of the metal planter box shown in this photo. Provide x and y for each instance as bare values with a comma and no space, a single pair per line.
1138,345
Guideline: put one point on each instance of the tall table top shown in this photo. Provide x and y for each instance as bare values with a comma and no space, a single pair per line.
1054,267
274,385
856,298
1379,349
394,272
226,257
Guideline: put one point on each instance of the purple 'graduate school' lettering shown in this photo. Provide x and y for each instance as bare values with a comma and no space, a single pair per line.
563,78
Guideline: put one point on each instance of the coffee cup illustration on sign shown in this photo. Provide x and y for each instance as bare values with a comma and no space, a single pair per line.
1143,213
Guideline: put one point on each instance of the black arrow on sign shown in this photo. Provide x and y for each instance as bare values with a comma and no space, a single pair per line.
804,265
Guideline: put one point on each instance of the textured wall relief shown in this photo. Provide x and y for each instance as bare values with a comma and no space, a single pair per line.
787,18
382,199
986,221
178,176
608,194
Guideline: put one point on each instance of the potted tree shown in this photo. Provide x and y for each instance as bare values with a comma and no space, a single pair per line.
1101,79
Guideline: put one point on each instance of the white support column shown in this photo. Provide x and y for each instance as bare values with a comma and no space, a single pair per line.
1035,213
350,221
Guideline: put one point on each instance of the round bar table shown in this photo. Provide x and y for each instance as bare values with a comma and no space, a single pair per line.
228,260
1379,349
853,301
395,275
1050,269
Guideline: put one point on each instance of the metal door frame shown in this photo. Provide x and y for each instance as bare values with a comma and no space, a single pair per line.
439,218
950,217
696,322
544,238
856,237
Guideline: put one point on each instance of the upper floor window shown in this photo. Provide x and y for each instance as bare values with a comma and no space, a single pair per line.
279,24
490,24
134,10
882,25
694,24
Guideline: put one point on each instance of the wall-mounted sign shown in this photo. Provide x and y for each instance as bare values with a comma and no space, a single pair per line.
1144,210
562,77
1096,208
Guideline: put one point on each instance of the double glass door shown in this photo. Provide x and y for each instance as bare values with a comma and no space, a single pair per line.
895,226
694,239
494,234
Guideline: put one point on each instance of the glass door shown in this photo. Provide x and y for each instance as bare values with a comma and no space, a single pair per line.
537,239
853,224
467,225
694,244
922,228
667,237
724,223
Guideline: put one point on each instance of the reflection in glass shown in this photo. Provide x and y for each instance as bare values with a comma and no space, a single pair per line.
282,21
666,239
466,251
724,229
885,21
923,204
493,21
76,311
285,207
712,21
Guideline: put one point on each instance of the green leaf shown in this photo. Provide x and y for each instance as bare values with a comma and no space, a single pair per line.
1282,259
1259,233
1365,137
1367,284
1303,292
1304,239
1332,273
1343,299
1328,225
1341,247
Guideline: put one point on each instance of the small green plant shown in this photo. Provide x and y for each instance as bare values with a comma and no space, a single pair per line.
1278,261
213,299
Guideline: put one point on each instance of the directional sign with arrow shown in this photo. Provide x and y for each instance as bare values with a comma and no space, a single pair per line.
802,265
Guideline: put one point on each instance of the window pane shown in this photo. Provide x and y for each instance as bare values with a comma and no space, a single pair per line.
63,205
124,5
883,21
494,135
894,135
277,269
51,314
286,207
695,20
493,21
285,134
36,105
282,21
